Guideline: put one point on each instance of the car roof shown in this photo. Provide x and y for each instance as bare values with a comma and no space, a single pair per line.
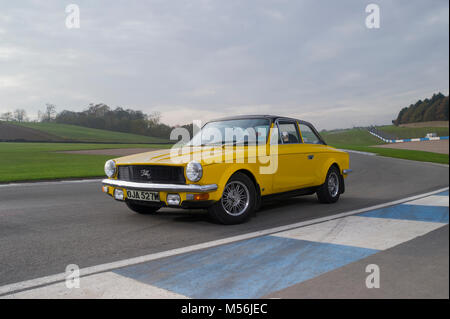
253,116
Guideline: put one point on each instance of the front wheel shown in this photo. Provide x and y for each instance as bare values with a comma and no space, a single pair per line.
142,209
237,203
330,191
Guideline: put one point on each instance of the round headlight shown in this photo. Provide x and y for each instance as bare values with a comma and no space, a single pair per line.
110,168
194,171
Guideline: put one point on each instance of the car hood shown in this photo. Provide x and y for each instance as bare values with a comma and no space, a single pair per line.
182,156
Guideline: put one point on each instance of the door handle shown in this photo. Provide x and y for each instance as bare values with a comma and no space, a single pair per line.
310,156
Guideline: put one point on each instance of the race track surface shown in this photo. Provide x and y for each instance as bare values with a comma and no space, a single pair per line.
46,226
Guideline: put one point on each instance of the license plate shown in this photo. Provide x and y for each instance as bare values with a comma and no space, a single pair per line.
143,195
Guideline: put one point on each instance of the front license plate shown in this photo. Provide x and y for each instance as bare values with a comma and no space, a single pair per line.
143,195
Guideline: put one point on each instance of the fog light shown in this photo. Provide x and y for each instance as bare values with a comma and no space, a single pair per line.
118,194
173,199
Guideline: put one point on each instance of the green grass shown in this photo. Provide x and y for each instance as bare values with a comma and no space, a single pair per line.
412,132
404,154
356,137
361,140
37,161
85,134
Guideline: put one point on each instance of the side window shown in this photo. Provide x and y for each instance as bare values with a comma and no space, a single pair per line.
288,133
309,137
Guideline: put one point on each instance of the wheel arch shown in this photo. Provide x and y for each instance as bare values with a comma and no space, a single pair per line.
328,167
247,172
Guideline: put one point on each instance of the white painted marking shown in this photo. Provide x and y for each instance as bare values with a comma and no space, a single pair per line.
435,200
38,184
106,285
137,260
365,232
359,152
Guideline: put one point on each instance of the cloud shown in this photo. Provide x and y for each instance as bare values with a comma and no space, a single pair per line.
205,59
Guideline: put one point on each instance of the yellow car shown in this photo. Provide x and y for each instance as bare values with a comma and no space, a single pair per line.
229,167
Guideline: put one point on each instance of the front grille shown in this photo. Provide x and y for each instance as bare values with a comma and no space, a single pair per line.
151,174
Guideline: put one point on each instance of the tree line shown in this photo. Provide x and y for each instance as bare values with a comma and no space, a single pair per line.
101,116
433,109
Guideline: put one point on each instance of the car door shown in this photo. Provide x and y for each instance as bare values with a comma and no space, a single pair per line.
292,172
314,152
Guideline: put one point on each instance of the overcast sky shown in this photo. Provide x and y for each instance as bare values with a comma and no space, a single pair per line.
314,60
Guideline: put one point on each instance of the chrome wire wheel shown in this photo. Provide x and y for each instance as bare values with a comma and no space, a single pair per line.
236,198
333,184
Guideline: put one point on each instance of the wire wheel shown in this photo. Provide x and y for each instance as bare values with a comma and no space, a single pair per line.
235,198
333,184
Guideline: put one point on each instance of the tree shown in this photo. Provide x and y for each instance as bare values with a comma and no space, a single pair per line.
434,109
8,116
49,113
20,115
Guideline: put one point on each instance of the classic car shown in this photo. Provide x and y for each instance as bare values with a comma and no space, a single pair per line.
229,167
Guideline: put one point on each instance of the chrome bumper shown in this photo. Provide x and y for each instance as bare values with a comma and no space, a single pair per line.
161,187
346,171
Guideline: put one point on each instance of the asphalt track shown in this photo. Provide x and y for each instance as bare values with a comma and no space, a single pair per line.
46,226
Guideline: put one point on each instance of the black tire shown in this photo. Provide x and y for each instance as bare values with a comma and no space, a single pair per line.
327,194
142,209
221,214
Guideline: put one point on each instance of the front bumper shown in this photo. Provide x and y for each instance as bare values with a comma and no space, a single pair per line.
191,195
188,188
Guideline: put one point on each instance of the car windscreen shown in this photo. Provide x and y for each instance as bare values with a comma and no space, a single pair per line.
241,131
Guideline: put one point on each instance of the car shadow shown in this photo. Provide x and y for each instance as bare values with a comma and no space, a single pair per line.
201,215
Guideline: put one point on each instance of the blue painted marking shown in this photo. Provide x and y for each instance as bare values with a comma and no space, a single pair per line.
245,269
407,140
437,214
443,194
444,137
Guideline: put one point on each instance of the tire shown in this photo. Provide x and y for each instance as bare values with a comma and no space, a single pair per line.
330,191
142,209
238,202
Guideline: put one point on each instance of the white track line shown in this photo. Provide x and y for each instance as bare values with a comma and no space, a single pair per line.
52,182
364,232
7,289
359,152
431,201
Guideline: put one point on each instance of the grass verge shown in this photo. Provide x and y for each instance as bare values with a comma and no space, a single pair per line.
38,161
361,140
404,154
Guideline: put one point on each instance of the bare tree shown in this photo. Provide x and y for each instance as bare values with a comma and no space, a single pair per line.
8,116
49,113
153,118
20,115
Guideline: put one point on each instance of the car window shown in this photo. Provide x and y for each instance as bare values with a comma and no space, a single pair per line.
288,133
240,131
309,137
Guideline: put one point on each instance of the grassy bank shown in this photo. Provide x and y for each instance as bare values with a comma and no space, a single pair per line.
361,140
412,132
68,132
36,161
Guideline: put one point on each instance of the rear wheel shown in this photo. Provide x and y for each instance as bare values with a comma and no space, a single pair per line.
238,201
330,191
142,209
